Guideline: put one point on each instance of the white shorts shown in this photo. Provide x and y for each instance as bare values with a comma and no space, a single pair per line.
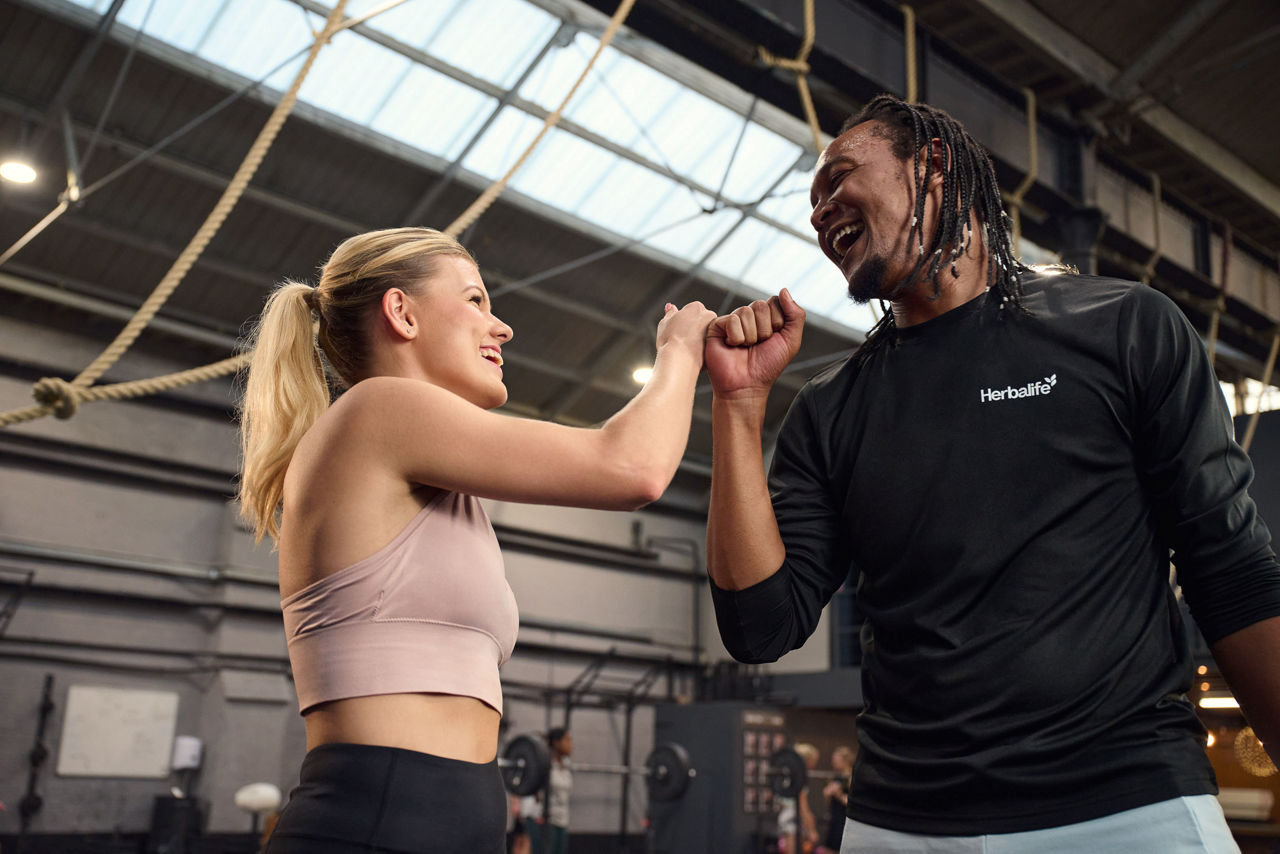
1191,825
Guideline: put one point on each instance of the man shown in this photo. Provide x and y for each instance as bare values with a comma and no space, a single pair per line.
1004,467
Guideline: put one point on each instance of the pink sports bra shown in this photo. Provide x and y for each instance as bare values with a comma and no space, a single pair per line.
430,612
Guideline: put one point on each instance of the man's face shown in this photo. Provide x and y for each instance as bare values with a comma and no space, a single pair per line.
863,201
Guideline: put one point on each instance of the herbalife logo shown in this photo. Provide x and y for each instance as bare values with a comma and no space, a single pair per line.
1031,389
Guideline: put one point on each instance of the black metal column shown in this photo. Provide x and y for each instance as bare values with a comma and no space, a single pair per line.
1080,231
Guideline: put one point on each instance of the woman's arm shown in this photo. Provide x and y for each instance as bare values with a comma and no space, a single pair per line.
808,824
428,435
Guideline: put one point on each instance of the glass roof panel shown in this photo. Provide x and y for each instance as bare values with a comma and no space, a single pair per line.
504,141
564,171
353,77
789,202
692,237
493,39
457,112
697,136
181,23
547,84
629,199
252,36
621,99
761,156
746,245
414,23
788,260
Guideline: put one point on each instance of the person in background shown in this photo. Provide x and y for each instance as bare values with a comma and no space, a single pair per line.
551,834
518,837
797,827
836,795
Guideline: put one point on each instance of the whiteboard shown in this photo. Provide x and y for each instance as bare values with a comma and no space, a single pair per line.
117,732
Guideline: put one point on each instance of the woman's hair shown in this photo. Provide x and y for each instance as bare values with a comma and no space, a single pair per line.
807,751
300,329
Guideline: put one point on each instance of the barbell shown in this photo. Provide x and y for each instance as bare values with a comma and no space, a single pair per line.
788,773
526,765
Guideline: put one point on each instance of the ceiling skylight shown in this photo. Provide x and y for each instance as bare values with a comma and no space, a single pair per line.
638,154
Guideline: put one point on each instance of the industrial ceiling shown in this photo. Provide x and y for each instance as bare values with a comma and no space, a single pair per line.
582,251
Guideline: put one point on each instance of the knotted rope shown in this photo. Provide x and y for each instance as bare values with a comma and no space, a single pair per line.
800,65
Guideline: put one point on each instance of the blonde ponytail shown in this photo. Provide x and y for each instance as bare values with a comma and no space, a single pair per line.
286,391
284,394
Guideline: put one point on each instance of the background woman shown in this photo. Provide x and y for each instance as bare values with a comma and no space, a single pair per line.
550,835
396,606
836,793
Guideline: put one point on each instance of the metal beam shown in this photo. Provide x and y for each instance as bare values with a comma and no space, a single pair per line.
1065,49
113,311
151,245
76,73
1126,85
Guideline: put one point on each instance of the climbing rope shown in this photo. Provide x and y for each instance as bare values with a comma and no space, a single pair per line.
1266,381
1220,304
909,48
800,65
60,398
1149,269
489,196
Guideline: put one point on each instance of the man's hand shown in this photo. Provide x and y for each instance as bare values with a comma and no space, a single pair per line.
748,349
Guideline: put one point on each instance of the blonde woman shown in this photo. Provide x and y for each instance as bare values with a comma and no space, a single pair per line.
396,607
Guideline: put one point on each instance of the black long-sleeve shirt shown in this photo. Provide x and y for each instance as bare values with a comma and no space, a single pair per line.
1006,492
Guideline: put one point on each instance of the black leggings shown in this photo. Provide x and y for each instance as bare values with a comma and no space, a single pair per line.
360,798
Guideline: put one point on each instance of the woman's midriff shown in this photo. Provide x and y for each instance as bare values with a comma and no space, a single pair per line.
440,724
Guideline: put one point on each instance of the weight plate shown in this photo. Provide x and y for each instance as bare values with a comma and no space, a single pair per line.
526,763
669,772
787,773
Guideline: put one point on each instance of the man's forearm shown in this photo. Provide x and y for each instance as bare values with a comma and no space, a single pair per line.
743,545
1249,661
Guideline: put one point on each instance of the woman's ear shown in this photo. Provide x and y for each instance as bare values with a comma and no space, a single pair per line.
397,313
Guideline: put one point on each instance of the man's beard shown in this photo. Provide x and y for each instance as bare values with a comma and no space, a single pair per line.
868,282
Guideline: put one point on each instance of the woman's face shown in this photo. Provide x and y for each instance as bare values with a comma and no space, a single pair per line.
460,344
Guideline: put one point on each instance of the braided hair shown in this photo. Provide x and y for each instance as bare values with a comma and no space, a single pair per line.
968,185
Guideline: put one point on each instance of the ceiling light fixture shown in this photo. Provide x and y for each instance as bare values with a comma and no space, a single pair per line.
1219,703
17,171
642,375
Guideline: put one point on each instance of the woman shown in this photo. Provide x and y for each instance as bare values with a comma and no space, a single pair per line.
550,835
396,607
836,793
